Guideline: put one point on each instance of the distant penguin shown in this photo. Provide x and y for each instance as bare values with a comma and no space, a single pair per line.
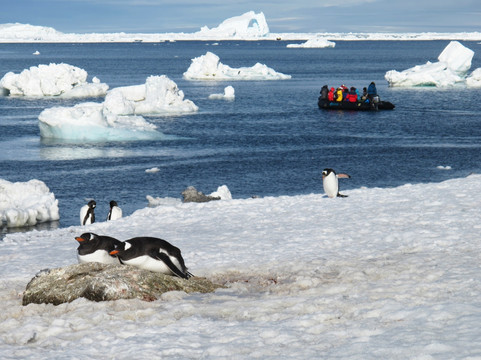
115,212
152,254
87,214
330,182
96,248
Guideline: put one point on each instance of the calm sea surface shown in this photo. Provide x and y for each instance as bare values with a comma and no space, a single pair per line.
272,140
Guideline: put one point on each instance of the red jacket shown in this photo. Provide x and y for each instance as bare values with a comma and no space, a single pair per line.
330,95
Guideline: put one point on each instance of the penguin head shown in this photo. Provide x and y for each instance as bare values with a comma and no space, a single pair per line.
86,237
327,172
92,204
113,203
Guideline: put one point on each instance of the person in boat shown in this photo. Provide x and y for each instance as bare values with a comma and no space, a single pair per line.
324,92
345,93
339,94
330,95
371,90
364,94
352,96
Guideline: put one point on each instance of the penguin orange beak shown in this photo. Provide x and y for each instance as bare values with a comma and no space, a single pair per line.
114,252
79,239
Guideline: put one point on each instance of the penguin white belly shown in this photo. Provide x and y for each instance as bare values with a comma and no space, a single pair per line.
116,213
100,256
331,185
148,263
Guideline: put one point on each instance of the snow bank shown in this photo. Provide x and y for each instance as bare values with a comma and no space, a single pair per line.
209,67
249,25
314,43
62,80
118,117
229,94
454,62
382,274
26,203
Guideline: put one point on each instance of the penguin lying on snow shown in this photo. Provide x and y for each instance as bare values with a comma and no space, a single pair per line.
115,212
331,184
152,254
87,214
96,248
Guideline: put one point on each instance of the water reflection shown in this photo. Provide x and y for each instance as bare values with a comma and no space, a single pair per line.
52,225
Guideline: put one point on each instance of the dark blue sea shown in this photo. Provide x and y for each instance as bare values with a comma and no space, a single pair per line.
272,140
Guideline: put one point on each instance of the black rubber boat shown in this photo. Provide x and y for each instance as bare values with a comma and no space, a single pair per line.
356,106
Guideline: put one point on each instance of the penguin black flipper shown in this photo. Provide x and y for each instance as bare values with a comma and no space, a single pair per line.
165,258
341,195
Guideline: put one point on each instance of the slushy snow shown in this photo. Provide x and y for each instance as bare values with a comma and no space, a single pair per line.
61,80
314,43
118,118
452,67
229,94
382,274
26,203
209,67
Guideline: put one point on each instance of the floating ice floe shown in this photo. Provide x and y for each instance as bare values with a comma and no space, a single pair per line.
314,43
229,94
452,67
118,117
209,67
26,203
61,80
474,80
152,170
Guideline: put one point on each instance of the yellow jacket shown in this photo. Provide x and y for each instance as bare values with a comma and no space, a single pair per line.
339,94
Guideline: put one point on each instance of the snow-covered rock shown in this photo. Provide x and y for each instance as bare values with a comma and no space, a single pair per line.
454,62
26,203
229,94
209,67
117,118
248,25
314,43
62,80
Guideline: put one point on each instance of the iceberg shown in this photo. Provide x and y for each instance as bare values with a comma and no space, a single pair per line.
454,62
26,203
209,67
229,94
314,43
249,25
62,80
474,80
118,118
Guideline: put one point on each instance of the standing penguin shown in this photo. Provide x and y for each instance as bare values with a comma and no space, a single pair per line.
87,214
152,254
115,212
331,184
96,248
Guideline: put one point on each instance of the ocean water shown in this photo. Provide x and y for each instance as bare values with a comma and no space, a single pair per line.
271,141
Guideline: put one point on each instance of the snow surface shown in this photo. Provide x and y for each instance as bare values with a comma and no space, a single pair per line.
249,26
454,62
314,43
229,94
26,203
382,274
209,67
118,117
61,80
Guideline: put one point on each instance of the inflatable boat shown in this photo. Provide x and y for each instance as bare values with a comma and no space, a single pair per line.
356,106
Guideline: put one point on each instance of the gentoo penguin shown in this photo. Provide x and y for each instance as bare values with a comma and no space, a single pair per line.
331,184
87,215
152,254
115,212
96,248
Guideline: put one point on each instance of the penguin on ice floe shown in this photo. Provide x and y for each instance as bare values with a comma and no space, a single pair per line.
115,212
152,254
96,248
87,213
330,182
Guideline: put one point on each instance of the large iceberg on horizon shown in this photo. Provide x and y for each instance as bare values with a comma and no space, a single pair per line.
26,203
118,118
62,80
454,62
209,67
247,25
314,43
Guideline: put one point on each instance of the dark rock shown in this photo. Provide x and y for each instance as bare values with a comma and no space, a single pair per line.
100,282
192,195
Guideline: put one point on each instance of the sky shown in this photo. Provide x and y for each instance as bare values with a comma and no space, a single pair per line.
161,16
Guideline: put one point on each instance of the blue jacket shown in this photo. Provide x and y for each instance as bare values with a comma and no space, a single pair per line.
371,90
